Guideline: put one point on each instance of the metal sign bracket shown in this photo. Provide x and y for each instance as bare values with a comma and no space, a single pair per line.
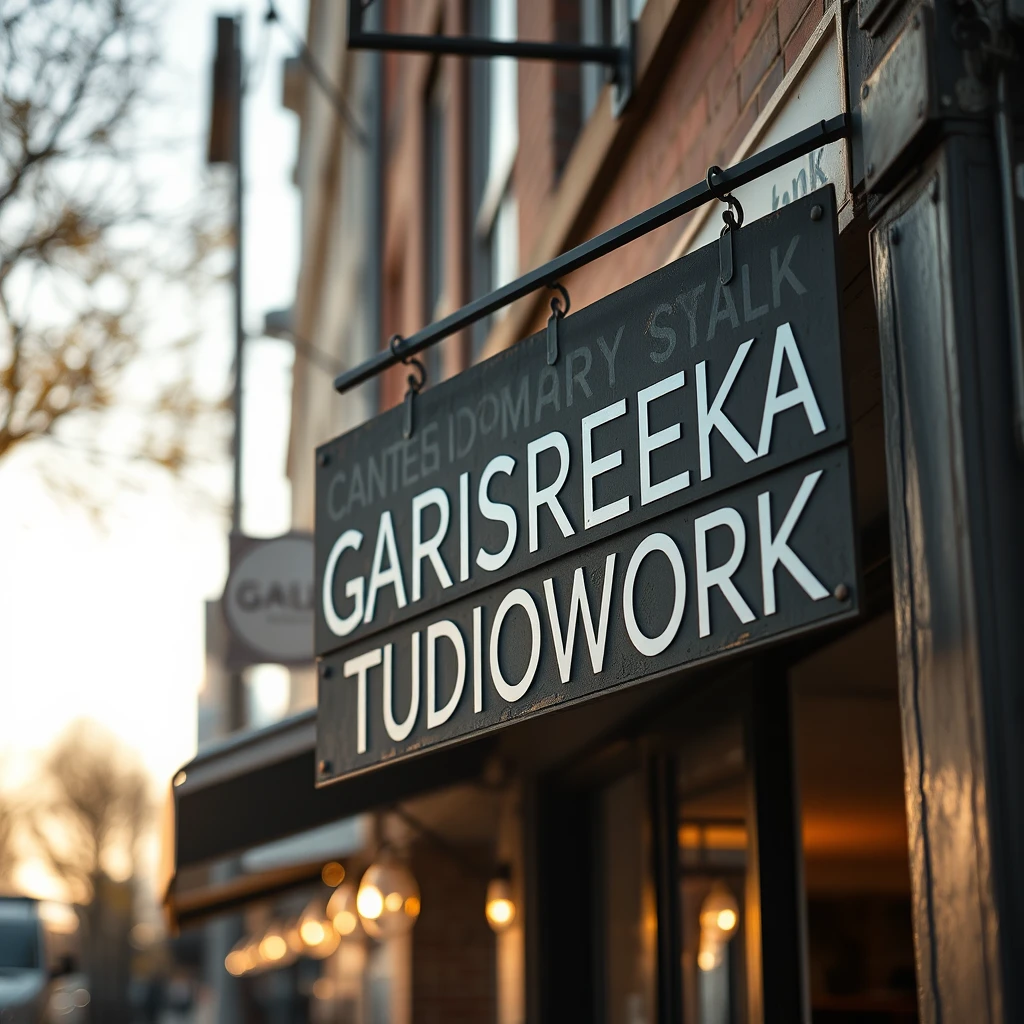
619,58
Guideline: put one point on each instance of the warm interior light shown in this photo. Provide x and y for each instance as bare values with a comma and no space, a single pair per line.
370,902
500,908
707,960
323,988
501,912
236,962
333,874
719,919
719,913
384,916
312,932
345,922
273,947
727,920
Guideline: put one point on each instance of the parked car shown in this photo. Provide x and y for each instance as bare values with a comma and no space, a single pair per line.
35,976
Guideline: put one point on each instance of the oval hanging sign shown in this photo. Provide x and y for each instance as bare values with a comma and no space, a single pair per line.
268,600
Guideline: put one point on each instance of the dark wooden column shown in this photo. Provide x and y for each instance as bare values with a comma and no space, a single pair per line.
956,498
775,908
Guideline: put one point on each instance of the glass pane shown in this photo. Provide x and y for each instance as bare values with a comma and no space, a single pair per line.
713,838
856,866
630,917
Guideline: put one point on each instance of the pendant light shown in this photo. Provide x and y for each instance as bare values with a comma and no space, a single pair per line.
499,907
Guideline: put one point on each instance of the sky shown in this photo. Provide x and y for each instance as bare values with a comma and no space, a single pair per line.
105,620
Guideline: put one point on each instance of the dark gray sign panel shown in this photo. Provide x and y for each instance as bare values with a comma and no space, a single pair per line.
673,487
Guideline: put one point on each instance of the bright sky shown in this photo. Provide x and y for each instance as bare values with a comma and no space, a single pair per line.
107,622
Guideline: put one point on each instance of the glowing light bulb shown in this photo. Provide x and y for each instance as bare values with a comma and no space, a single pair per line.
345,922
719,913
236,962
312,932
706,960
500,908
273,947
388,900
370,902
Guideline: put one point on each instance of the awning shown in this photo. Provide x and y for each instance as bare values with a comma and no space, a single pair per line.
232,805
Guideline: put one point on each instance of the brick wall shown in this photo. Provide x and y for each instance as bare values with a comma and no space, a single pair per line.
453,961
712,79
727,65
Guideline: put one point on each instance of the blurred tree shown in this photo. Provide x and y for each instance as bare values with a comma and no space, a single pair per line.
9,853
93,810
86,242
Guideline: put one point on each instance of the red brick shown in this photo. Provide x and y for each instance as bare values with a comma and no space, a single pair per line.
719,78
771,82
693,124
737,134
748,29
790,13
803,32
720,125
760,58
702,48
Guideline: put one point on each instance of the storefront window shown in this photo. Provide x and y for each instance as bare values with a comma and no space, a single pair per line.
850,775
630,919
713,856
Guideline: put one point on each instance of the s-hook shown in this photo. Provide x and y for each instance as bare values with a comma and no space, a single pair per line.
557,312
733,221
414,383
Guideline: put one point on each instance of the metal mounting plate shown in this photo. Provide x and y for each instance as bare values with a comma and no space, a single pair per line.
898,99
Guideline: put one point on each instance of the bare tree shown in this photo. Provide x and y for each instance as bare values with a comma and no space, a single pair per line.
80,242
93,809
10,812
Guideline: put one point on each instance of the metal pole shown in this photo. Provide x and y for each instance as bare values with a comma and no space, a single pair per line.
227,932
236,160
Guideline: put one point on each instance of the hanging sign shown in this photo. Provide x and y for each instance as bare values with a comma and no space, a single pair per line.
268,601
675,486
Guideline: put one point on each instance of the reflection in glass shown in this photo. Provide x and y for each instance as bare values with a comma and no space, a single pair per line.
850,775
712,841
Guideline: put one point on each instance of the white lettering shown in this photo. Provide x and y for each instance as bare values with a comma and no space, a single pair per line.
652,646
721,576
580,604
350,539
713,418
523,599
652,442
478,646
497,511
428,548
444,628
595,467
776,549
802,394
463,527
398,731
392,575
547,495
359,667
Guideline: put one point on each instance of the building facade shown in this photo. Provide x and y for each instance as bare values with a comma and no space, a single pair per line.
825,830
